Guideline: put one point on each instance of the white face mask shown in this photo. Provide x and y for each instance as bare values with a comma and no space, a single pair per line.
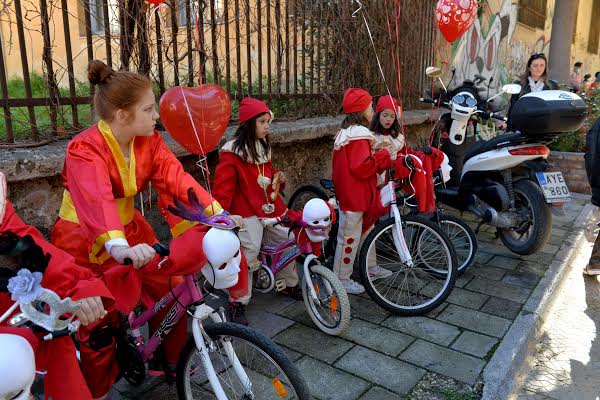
446,168
17,367
222,249
317,215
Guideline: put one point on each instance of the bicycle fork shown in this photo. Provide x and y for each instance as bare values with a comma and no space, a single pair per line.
311,289
389,191
202,312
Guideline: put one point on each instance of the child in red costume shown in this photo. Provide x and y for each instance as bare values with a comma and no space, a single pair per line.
414,167
247,184
355,169
65,278
106,166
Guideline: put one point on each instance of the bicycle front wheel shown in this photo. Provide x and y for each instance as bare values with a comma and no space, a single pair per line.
409,289
271,373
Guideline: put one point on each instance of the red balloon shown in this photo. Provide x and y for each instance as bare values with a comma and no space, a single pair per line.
454,17
155,2
209,112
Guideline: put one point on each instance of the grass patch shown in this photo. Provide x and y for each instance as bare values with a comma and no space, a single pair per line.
450,394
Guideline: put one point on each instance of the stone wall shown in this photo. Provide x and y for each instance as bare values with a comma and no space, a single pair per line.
302,149
573,169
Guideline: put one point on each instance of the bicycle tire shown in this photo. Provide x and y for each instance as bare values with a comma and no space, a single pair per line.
306,189
254,338
449,278
467,246
342,301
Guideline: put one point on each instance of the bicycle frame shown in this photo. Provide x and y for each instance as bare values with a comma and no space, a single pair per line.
187,293
397,235
279,261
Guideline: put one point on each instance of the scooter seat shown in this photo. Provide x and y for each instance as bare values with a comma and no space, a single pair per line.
504,140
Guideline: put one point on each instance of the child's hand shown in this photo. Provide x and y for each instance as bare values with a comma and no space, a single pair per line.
90,310
269,221
279,176
140,254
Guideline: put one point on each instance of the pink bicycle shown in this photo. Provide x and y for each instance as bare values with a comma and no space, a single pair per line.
221,360
324,295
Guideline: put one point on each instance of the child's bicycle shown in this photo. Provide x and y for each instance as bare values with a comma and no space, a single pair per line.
324,295
221,360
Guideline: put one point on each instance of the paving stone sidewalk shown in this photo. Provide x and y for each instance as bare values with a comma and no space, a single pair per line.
567,359
437,356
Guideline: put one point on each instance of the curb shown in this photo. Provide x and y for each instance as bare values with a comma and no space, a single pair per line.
500,375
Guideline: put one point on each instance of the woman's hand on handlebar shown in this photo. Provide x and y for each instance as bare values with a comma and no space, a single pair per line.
140,254
90,310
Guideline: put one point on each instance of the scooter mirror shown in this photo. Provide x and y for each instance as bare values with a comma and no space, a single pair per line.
433,72
512,88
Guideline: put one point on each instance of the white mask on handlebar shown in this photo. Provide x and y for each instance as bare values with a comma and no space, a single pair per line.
317,216
222,249
17,367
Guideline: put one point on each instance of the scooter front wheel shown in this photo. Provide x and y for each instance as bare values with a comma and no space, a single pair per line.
533,234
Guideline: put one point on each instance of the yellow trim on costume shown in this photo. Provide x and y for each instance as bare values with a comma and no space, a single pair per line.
127,172
181,227
98,253
213,209
67,209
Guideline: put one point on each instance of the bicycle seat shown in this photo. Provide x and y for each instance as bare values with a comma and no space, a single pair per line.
327,184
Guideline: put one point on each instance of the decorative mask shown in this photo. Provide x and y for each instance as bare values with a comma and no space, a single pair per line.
317,217
222,249
446,168
17,367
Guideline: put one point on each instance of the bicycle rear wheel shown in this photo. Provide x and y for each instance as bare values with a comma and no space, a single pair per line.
463,239
272,374
409,290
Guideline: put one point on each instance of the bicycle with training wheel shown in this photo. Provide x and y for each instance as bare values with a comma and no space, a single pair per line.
324,296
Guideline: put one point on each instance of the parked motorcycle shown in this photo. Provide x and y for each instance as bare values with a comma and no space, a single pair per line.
505,181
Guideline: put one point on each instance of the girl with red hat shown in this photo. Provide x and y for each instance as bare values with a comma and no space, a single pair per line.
247,184
355,169
417,166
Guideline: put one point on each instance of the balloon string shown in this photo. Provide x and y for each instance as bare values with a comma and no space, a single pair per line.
373,45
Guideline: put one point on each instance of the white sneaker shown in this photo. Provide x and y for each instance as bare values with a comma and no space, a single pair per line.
377,272
352,287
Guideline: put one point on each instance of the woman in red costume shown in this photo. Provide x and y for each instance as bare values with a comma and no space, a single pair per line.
28,249
106,166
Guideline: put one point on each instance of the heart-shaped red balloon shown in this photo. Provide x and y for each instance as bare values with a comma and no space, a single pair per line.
156,2
454,17
209,111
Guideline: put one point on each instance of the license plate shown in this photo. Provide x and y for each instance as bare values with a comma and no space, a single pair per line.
554,186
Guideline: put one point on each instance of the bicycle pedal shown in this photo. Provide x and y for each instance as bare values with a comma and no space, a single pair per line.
254,266
280,285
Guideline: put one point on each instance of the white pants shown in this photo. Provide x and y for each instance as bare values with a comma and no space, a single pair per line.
349,241
252,239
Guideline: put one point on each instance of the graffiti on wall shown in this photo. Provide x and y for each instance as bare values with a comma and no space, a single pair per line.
480,50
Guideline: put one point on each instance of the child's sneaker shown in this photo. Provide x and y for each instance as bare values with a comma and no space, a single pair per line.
352,287
377,272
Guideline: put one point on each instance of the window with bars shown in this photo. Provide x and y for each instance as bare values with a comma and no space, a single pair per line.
97,16
532,13
594,35
182,16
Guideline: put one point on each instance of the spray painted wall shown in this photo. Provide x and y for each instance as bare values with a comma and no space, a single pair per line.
497,46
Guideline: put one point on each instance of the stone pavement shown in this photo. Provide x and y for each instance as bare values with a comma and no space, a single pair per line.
566,363
381,356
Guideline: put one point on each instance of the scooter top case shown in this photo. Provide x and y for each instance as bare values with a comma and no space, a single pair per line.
545,115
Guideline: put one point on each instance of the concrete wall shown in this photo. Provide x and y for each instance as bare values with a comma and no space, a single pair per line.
302,149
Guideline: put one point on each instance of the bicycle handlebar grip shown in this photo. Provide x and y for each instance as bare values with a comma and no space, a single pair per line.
161,250
430,101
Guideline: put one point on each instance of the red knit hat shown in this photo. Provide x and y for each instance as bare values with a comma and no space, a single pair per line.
250,108
386,102
356,100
